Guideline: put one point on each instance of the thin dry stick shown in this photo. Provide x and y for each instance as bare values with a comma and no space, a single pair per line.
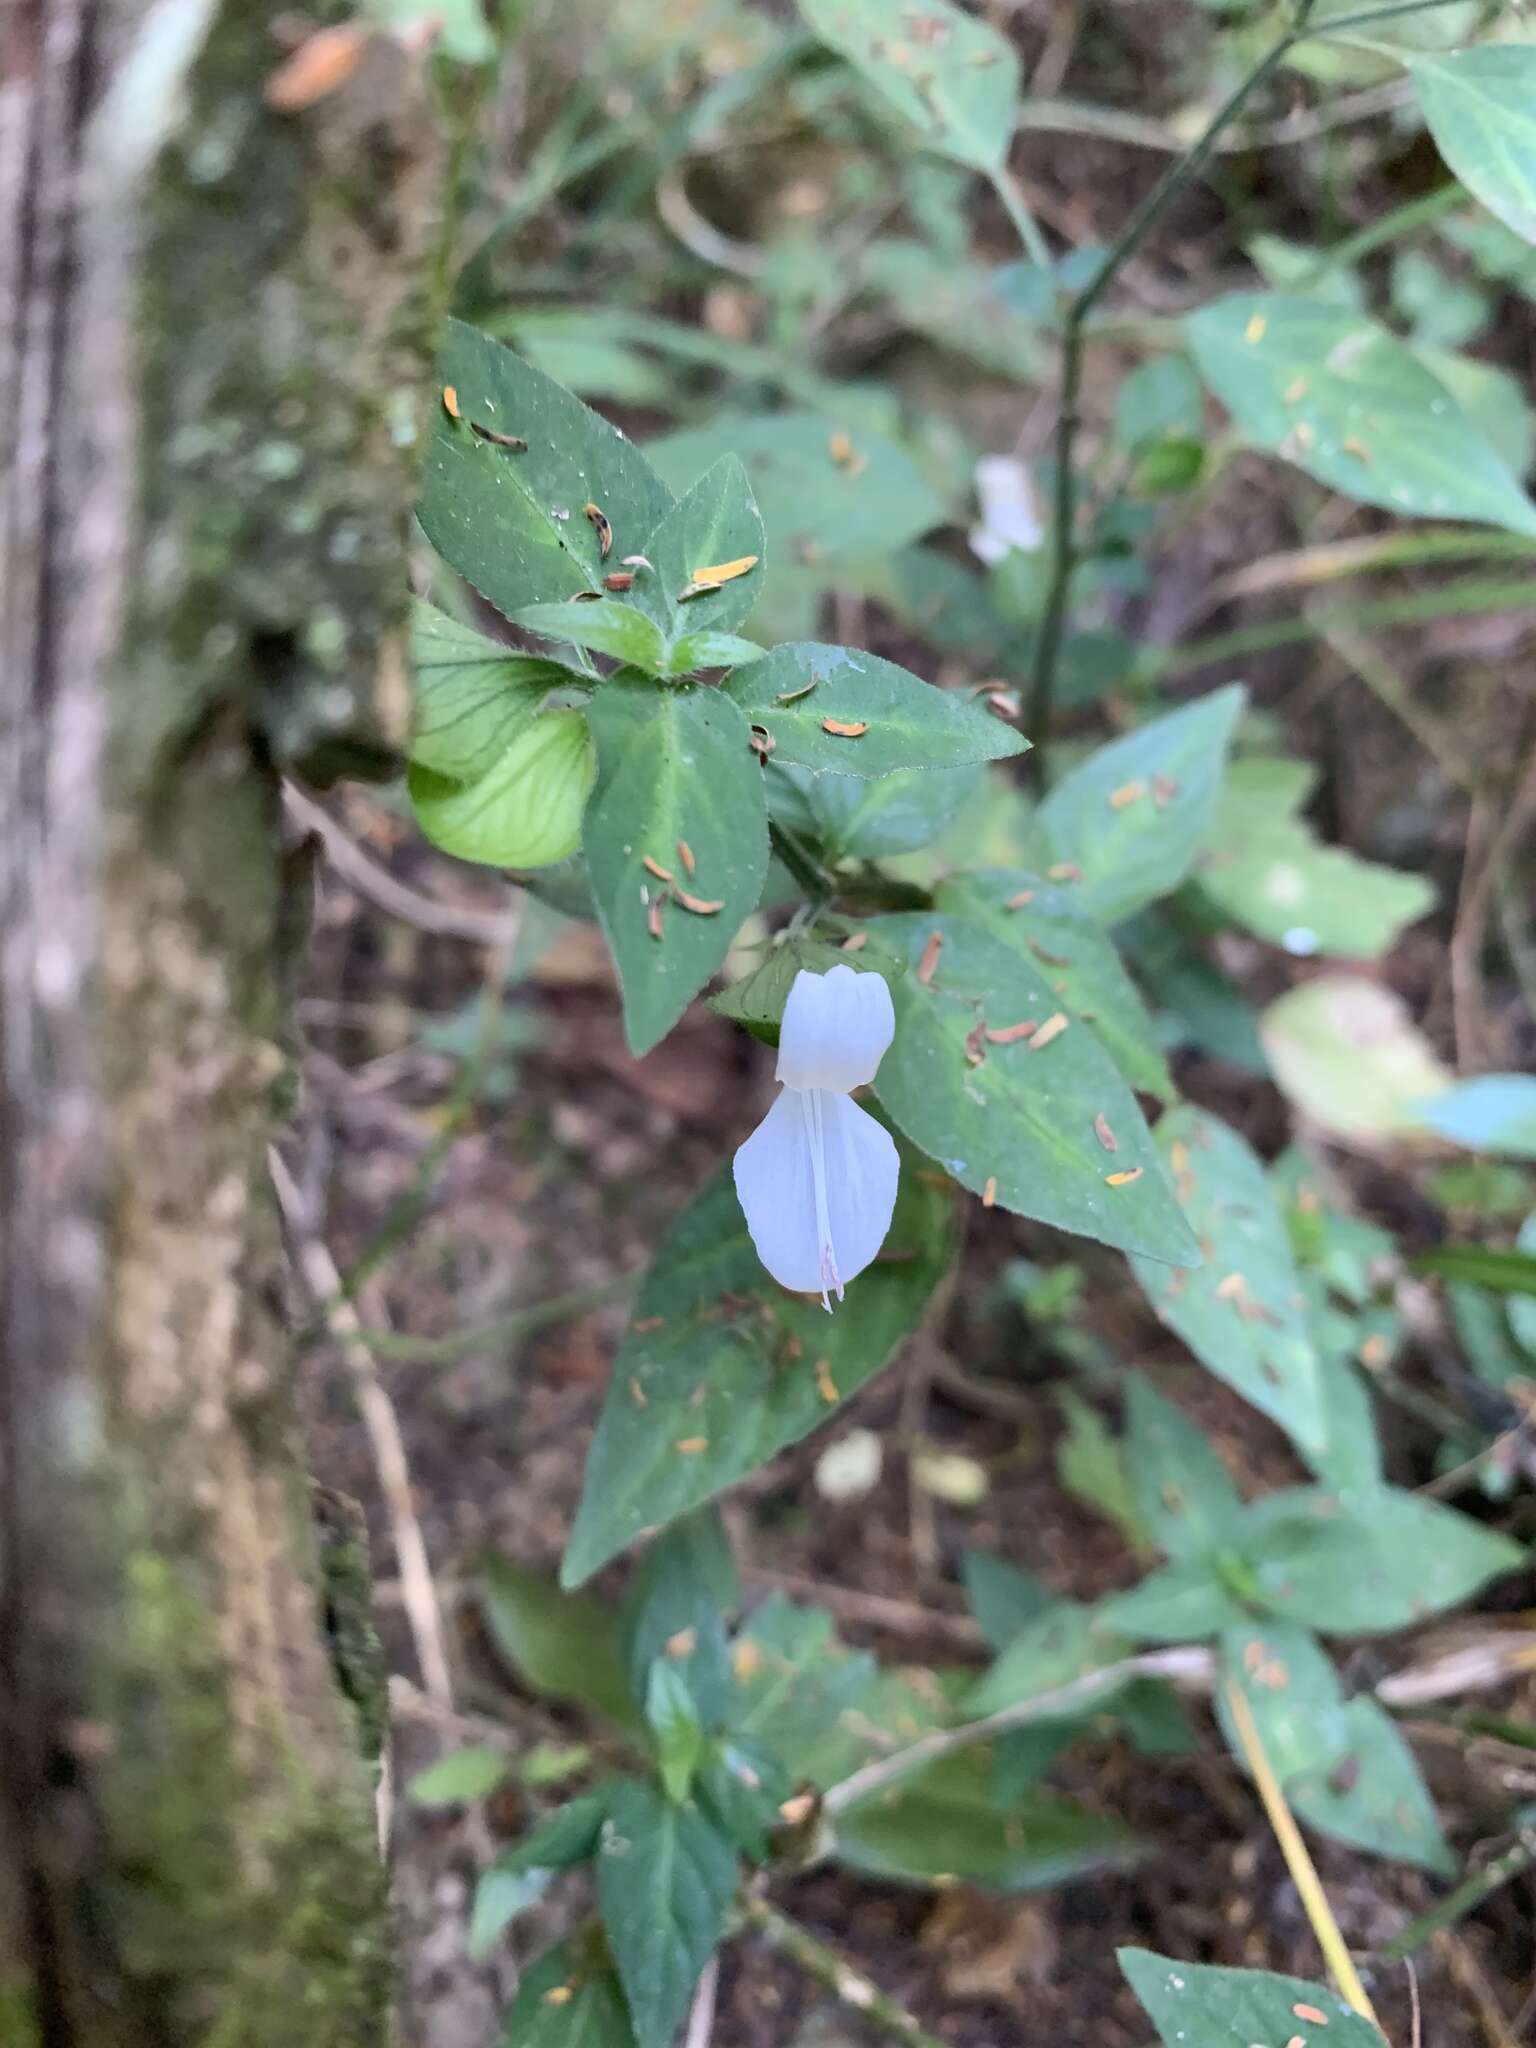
701,2019
323,1281
360,872
1297,1860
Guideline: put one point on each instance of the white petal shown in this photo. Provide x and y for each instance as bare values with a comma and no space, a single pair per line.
835,1029
817,1184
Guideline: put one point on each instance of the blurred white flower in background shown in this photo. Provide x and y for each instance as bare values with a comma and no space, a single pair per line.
1010,515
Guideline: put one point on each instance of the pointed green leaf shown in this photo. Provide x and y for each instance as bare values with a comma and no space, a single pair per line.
1194,2005
1335,393
1019,1118
673,1718
1481,108
565,1837
713,525
470,696
511,520
1182,1490
848,816
526,810
1045,921
1377,1563
1053,1649
665,1880
1183,1602
564,1644
1132,817
1239,1313
461,1776
606,625
675,1609
674,766
1489,1113
956,79
722,1368
794,692
570,1998
795,1681
1003,1596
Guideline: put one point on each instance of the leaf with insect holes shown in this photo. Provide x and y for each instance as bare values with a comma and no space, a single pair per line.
715,524
837,710
1343,1764
1012,1116
956,79
1480,106
665,1880
1335,393
511,520
1242,1313
722,1369
673,766
569,1998
1195,2005
1182,1490
1132,817
1043,921
1365,1566
470,696
945,1822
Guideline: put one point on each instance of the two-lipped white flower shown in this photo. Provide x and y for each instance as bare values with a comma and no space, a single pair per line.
817,1178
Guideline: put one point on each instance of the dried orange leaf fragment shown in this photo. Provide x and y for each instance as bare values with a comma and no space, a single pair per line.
697,904
1128,793
842,729
451,402
690,1446
989,1192
655,867
726,572
685,855
601,525
1126,1179
930,959
1104,1134
1053,1027
320,64
1010,1034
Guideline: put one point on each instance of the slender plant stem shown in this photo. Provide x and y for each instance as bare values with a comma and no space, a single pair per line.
1025,226
1064,555
1449,600
1337,24
508,1329
1402,220
1470,1893
822,1962
817,884
1297,1860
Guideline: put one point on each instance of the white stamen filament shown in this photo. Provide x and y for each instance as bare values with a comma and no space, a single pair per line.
816,1139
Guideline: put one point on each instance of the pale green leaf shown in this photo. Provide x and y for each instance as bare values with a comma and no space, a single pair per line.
1350,1058
470,696
1183,1492
1481,108
955,78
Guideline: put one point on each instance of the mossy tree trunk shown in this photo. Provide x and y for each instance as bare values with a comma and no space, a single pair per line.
212,353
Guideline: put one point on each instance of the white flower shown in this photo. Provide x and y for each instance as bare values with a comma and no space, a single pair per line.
1010,515
817,1178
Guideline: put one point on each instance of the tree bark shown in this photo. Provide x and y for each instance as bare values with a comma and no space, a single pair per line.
212,328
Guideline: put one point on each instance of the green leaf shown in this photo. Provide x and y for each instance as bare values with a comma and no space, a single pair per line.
1346,401
944,1823
566,1645
499,1897
673,1717
758,999
1492,398
1056,1647
665,1880
817,510
1160,400
675,1609
570,1998
906,722
526,810
1265,869
849,817
471,696
1377,1564
605,624
1090,1464
722,1368
1480,105
1343,1765
1133,816
1481,1265
461,1776
674,766
1022,1119
742,1786
1183,1493
1351,1059
794,1681
1490,1113
1003,1596
510,520
1238,1313
1181,1603
1194,2005
1081,964
956,79
711,650
567,1836
714,524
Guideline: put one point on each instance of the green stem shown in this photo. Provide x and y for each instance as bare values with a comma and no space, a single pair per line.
1451,600
1025,226
508,1329
828,1968
1064,557
816,883
1468,1894
1402,220
1368,18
